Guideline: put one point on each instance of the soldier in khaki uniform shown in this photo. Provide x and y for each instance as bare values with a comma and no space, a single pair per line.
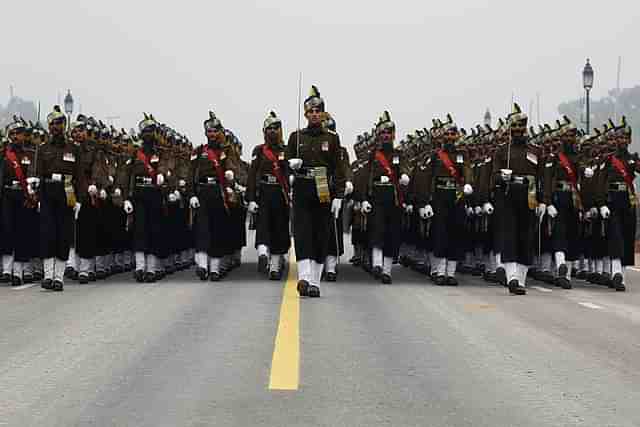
447,180
213,170
617,201
57,169
144,203
268,198
336,229
313,154
18,186
387,174
515,176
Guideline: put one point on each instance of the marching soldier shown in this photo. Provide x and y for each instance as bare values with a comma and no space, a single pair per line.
87,216
57,169
268,198
19,203
387,173
617,200
336,229
564,205
213,172
447,179
313,154
144,202
515,174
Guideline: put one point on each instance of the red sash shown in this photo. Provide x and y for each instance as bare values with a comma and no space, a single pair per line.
147,165
277,171
571,174
392,175
214,158
449,166
622,170
11,156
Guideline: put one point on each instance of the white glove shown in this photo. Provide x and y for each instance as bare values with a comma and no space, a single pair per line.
409,209
160,179
469,211
253,208
404,180
182,183
76,210
292,179
33,181
239,188
229,190
93,190
178,195
103,194
552,211
117,192
30,190
229,175
384,179
605,212
111,180
423,213
295,164
477,210
172,198
594,212
366,207
541,209
487,208
348,188
128,207
588,172
429,211
194,203
335,207
467,190
506,174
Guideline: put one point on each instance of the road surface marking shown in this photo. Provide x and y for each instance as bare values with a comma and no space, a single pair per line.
591,305
30,285
541,289
285,365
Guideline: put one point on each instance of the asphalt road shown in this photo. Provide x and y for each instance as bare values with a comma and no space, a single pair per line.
188,353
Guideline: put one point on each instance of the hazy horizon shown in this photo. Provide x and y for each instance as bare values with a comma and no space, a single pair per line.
242,60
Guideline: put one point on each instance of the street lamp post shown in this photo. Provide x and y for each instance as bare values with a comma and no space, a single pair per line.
587,81
68,107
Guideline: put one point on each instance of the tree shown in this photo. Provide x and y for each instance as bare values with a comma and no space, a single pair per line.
625,103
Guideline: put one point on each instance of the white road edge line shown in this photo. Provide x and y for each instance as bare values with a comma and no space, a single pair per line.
20,288
591,305
541,289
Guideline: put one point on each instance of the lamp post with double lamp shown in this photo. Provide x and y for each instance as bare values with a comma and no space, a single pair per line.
68,107
587,82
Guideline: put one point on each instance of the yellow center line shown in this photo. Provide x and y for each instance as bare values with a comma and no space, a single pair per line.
285,365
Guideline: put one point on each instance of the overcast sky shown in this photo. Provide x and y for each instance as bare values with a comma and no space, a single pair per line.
241,58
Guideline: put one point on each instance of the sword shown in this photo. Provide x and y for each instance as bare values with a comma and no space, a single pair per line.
335,226
299,101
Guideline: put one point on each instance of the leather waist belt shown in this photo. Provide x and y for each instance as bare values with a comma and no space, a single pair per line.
144,181
311,173
563,186
446,183
269,179
618,186
209,180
